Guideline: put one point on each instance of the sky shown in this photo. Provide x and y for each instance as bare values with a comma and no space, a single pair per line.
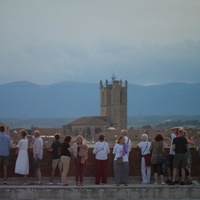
145,42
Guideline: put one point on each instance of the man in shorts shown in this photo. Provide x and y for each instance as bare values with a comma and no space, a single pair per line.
55,149
5,146
180,147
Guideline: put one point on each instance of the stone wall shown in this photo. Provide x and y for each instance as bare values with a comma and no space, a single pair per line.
90,167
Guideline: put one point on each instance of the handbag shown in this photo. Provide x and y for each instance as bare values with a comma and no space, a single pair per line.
120,160
147,157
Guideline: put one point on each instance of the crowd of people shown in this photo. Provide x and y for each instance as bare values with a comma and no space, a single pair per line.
153,158
176,163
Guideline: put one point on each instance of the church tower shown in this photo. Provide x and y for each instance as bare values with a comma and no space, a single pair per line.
113,102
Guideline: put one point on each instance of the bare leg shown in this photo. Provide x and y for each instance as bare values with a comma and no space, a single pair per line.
52,174
5,172
183,174
156,177
162,178
25,179
39,175
174,174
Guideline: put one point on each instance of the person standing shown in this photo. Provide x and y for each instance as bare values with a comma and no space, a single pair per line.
127,140
80,151
188,160
22,162
121,164
144,145
179,145
56,151
38,155
5,145
157,148
65,159
101,151
171,156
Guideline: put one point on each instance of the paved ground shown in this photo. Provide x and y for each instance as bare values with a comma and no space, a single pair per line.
135,190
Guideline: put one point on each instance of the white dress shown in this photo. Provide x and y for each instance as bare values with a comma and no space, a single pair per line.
22,162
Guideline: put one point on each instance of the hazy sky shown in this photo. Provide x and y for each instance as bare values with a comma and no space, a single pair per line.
142,41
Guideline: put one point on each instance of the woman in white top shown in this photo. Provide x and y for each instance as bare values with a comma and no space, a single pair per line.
144,145
22,162
121,169
101,151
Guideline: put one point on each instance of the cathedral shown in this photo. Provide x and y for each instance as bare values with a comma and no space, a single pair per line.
113,112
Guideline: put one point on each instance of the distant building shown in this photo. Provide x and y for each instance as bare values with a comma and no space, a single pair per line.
113,103
113,112
87,126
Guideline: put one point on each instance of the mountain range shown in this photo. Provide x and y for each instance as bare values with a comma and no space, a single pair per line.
76,99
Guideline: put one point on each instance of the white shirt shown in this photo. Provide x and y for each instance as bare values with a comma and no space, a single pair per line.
117,150
171,151
144,146
101,150
38,148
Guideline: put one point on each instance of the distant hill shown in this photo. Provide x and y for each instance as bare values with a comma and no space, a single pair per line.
75,99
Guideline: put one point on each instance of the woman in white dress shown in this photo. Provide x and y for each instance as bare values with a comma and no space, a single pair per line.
22,162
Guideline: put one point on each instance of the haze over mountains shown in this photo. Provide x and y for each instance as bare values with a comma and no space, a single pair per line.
75,99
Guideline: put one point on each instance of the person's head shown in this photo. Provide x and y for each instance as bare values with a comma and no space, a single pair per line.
2,128
158,137
101,137
120,140
79,139
181,133
36,133
124,132
23,133
68,138
144,137
57,136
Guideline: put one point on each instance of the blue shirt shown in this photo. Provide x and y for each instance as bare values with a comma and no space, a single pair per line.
5,144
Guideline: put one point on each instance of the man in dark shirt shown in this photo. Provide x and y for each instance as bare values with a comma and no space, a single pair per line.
55,149
179,145
66,151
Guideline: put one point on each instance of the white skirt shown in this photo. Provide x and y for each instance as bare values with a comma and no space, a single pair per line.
22,163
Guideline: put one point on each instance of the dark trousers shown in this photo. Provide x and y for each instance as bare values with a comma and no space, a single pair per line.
101,171
79,169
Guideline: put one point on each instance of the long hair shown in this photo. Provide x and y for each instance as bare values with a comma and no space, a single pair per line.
82,140
118,140
158,137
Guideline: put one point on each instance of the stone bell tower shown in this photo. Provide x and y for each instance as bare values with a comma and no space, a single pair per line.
113,102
